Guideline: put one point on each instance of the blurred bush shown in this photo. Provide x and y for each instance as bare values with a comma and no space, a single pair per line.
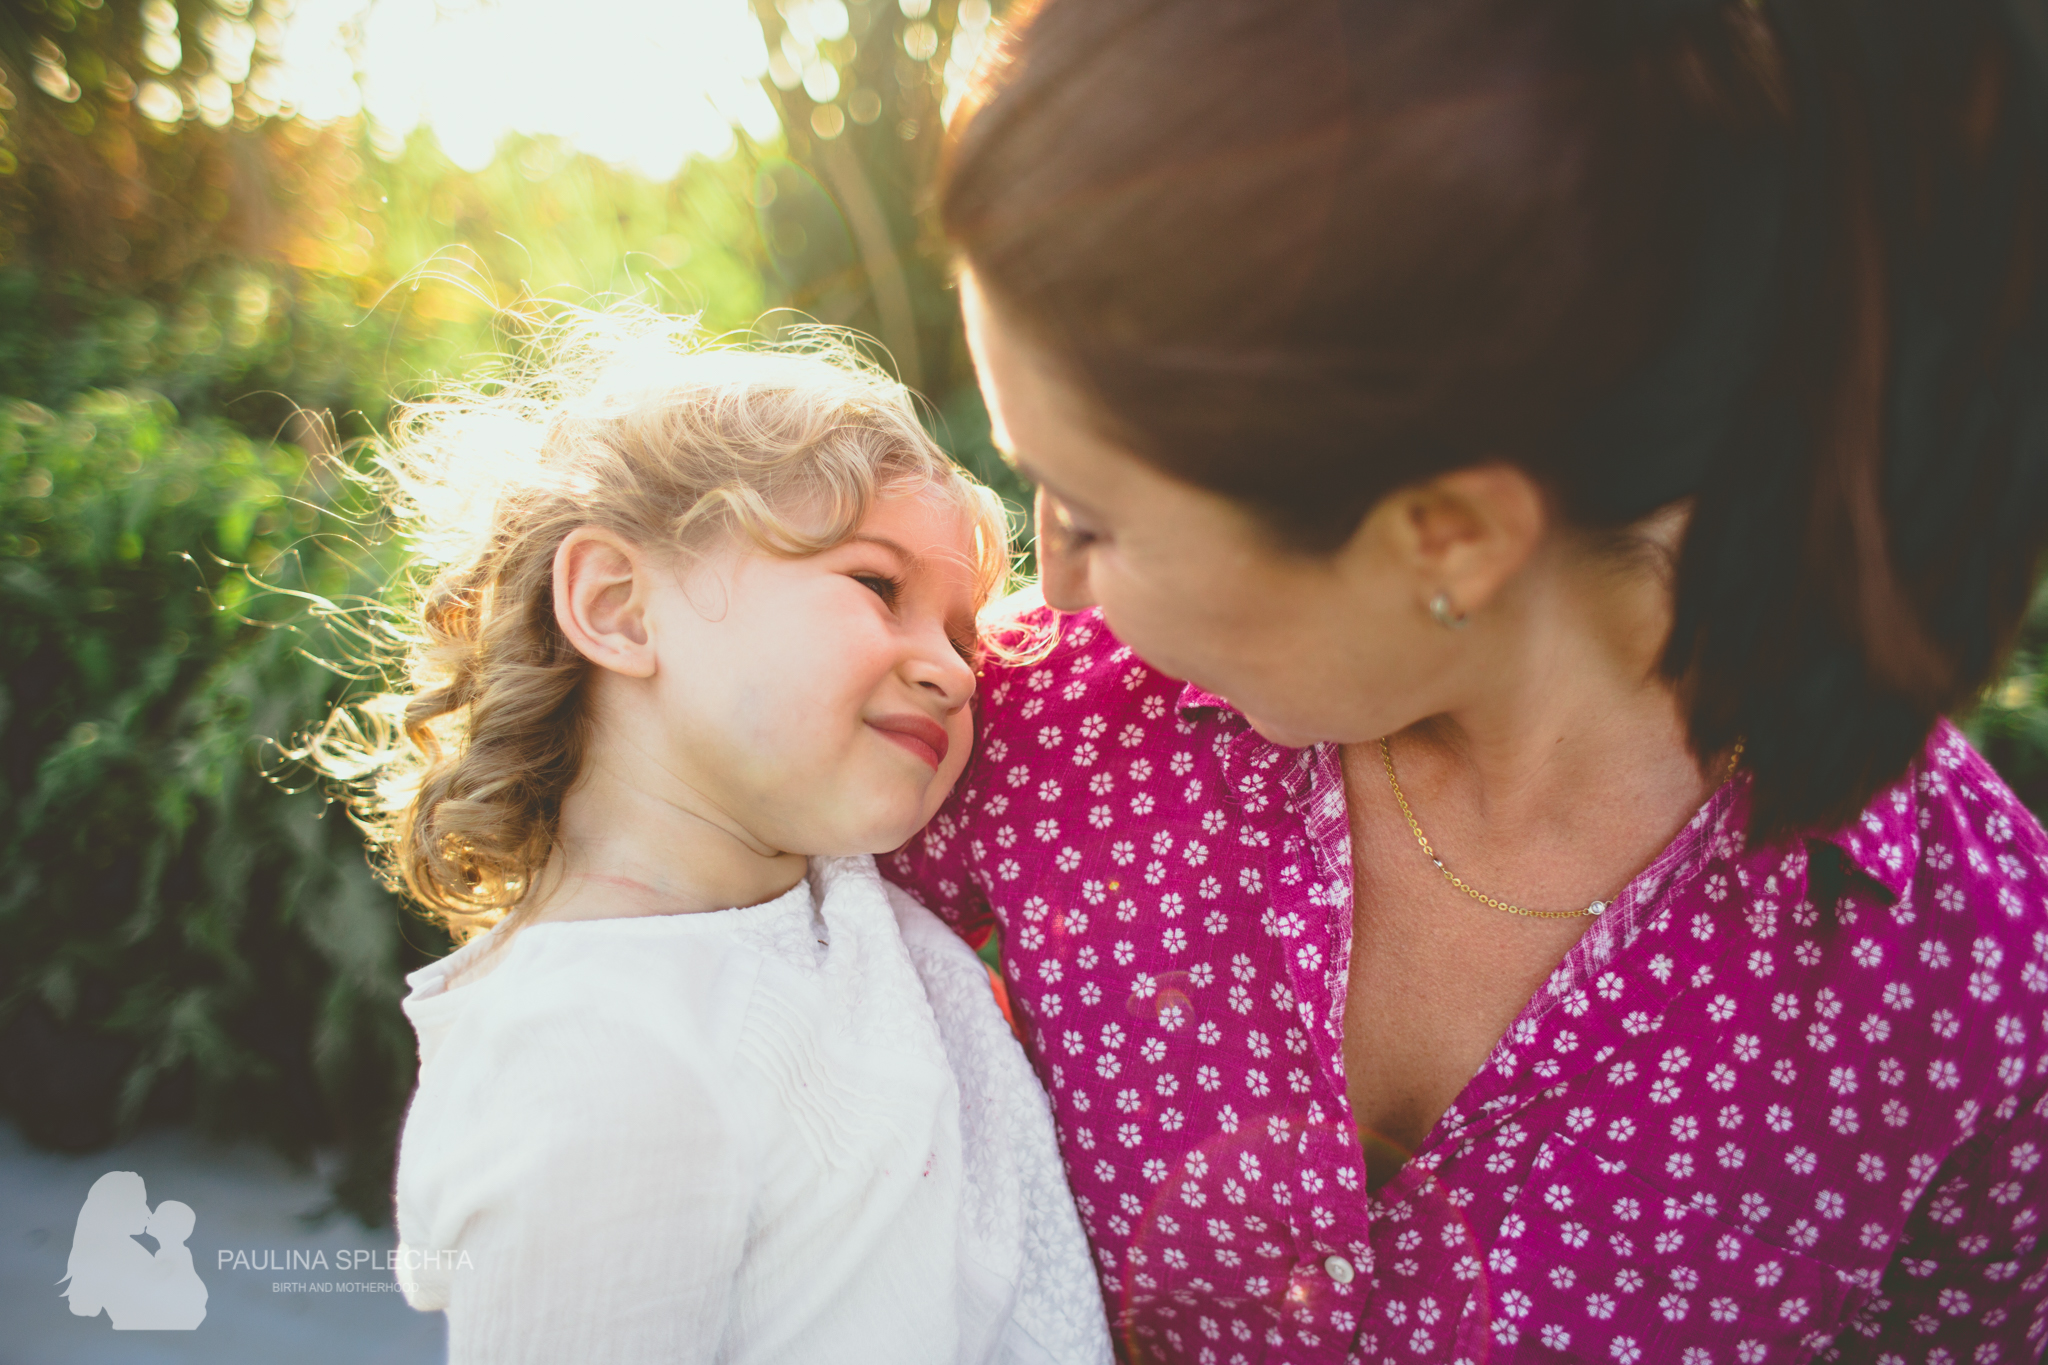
184,937
2010,724
203,301
188,930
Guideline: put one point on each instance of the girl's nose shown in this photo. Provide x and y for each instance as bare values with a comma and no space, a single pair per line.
939,669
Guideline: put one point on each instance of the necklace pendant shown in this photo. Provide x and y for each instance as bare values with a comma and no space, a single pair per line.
1596,909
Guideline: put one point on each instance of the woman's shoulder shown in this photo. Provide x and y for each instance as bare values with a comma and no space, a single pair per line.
1968,839
1048,663
1963,865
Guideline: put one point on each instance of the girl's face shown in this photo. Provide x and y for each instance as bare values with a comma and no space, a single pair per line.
821,704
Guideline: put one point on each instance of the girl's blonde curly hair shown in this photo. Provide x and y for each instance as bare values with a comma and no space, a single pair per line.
626,420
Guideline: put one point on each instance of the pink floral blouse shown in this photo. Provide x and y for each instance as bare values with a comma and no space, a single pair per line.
1733,1128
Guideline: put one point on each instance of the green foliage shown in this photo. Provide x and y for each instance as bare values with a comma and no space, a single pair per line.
387,273
200,302
845,216
130,138
185,937
171,60
195,313
2010,725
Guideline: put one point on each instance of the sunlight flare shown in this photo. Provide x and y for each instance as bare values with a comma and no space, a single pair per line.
640,83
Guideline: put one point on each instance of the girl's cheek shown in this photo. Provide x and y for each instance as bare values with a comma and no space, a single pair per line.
957,756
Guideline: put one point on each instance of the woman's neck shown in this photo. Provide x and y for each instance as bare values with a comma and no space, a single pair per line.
1565,737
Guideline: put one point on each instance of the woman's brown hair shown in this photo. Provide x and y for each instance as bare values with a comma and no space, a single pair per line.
1779,258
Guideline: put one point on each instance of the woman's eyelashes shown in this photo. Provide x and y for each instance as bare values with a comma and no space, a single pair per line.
1075,538
1072,535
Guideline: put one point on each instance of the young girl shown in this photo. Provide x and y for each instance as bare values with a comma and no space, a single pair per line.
699,1085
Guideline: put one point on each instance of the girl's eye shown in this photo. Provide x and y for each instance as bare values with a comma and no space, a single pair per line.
884,587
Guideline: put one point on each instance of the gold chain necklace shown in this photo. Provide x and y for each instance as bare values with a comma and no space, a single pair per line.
1592,911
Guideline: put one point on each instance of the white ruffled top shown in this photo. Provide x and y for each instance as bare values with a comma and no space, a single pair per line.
797,1131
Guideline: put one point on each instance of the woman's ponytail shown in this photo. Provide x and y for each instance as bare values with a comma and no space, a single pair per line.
1867,529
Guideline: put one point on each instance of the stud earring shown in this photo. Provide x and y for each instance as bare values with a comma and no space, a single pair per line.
1440,611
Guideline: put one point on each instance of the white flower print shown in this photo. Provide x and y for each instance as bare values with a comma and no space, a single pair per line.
1632,1024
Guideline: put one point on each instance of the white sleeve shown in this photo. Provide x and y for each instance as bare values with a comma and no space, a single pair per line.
575,1185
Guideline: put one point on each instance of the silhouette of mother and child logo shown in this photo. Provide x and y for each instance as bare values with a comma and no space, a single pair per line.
109,1269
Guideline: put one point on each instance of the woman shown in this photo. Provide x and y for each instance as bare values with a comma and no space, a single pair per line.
1481,861
108,1269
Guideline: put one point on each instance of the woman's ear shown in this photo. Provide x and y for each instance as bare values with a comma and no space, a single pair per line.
601,598
1466,533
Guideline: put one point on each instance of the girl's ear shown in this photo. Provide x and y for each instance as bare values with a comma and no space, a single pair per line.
601,595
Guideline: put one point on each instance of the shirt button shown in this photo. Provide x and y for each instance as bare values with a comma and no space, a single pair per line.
1339,1270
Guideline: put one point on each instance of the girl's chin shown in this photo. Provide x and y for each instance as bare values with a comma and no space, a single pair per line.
880,833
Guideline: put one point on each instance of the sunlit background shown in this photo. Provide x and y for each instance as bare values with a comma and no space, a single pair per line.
233,234
645,85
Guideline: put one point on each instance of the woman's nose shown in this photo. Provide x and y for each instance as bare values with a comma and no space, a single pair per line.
1062,569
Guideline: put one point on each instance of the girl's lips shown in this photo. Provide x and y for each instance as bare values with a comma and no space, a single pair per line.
922,736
